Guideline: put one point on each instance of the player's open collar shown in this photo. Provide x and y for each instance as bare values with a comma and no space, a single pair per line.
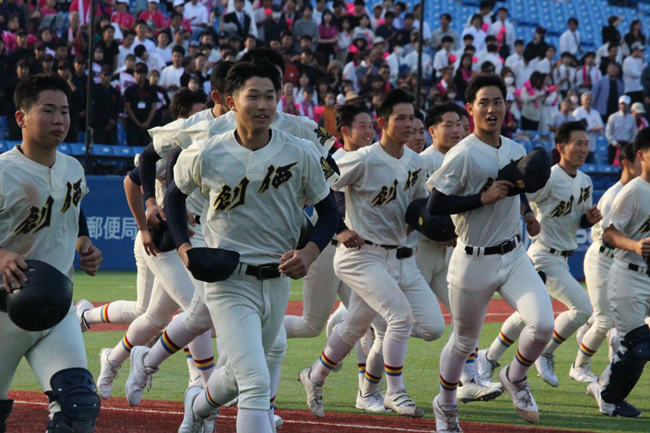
390,160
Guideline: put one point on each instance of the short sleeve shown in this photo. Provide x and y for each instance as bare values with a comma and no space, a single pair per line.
162,136
450,179
539,196
316,134
623,209
187,171
314,183
351,170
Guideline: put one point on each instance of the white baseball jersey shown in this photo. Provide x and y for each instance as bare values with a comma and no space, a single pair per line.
605,206
559,206
469,168
432,158
379,190
163,136
39,208
255,197
630,215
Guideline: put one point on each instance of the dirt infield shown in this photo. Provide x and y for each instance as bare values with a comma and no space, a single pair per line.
30,416
498,312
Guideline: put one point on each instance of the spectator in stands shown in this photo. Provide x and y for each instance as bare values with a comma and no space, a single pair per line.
606,92
476,30
517,55
564,74
110,47
547,64
328,36
524,68
610,31
638,111
442,57
141,31
632,69
588,114
107,106
124,75
427,63
287,102
463,75
82,7
532,97
538,44
180,41
635,34
387,31
400,9
621,128
299,90
613,55
364,30
407,29
61,53
570,39
276,25
510,123
47,64
74,102
338,8
588,73
122,17
163,49
126,48
140,106
562,116
22,73
11,8
444,30
153,17
161,96
153,61
80,80
96,65
492,56
47,39
504,31
426,29
242,21
22,52
170,79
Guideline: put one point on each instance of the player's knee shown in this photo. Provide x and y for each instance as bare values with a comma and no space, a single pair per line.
543,328
75,392
139,310
603,322
256,393
400,324
279,348
313,328
583,313
5,410
462,346
155,323
430,331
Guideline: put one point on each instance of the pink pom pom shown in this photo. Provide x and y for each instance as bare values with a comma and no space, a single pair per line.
485,27
452,58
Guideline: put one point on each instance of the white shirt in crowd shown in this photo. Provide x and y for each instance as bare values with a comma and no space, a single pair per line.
593,119
171,75
196,14
479,37
495,29
632,69
570,42
523,72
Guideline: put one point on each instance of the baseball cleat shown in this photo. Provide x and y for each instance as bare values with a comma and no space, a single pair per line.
580,333
485,368
582,373
193,423
314,393
604,377
401,404
624,409
139,377
278,422
82,307
478,391
335,319
522,398
446,419
545,365
372,402
107,373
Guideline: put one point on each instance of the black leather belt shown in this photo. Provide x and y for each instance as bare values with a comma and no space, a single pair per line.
335,242
637,268
561,253
264,272
502,249
197,219
401,253
604,250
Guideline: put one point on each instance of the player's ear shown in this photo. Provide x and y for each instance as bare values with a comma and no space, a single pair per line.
383,123
230,102
20,118
215,97
469,109
432,132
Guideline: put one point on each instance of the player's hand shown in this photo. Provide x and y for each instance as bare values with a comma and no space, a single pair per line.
155,213
91,256
497,191
594,215
12,266
350,239
533,227
182,252
296,263
147,242
642,248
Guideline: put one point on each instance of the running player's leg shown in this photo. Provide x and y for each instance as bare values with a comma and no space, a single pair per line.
428,323
509,333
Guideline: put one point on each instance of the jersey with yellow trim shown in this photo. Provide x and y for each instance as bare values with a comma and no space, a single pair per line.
378,190
559,206
433,159
469,168
605,206
39,208
630,215
254,198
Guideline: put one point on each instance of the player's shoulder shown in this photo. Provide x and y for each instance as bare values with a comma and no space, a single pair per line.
584,178
513,147
291,141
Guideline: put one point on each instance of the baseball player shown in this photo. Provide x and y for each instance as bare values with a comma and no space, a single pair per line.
41,218
627,228
562,206
489,255
256,180
598,261
380,181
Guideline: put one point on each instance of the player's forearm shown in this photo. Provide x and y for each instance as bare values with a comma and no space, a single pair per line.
441,204
525,205
328,220
134,199
147,164
176,213
171,162
615,238
584,222
83,225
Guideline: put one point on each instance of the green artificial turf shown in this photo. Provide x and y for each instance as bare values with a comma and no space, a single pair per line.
565,407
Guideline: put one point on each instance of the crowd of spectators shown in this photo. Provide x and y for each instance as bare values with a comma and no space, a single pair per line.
335,52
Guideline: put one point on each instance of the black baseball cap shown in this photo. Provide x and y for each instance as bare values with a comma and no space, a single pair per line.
47,58
80,59
106,70
141,68
63,65
22,62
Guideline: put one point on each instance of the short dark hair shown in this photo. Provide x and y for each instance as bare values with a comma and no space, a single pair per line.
272,56
483,80
519,42
419,115
143,22
244,71
468,37
462,112
307,6
642,140
177,49
627,153
447,16
502,8
139,50
573,20
447,38
182,102
104,29
219,75
29,90
389,14
490,38
563,133
408,16
306,37
346,113
435,113
391,99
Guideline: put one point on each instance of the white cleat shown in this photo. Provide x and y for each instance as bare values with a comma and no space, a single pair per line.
545,365
401,404
279,422
582,373
522,398
82,307
446,419
484,367
372,402
624,409
139,377
478,391
107,373
580,333
314,393
191,422
335,319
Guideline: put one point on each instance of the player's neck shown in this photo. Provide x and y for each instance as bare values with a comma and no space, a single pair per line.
568,167
488,137
392,147
645,175
440,148
38,154
218,110
252,140
626,176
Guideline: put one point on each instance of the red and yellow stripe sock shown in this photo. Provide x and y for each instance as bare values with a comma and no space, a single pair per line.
557,338
104,314
205,364
127,344
504,340
329,364
587,351
448,386
392,371
523,361
168,344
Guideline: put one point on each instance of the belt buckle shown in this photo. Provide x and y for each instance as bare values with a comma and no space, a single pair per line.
502,248
403,253
267,272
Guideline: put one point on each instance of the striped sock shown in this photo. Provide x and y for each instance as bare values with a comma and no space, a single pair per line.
370,384
362,373
205,364
591,342
208,398
272,406
191,365
519,367
555,342
499,346
447,394
469,369
321,368
127,344
394,380
326,361
168,344
104,314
